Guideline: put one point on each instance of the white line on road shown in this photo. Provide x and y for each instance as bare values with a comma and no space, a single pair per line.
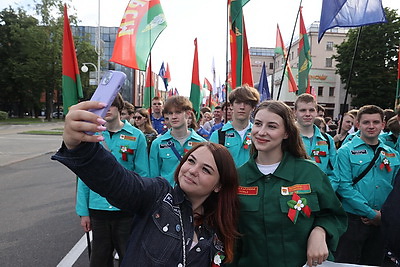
75,252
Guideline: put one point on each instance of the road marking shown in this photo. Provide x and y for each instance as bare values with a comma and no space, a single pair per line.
75,252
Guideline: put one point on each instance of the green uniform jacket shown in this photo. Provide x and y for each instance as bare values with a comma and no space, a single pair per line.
269,237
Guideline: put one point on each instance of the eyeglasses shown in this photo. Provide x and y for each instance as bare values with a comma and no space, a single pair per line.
137,117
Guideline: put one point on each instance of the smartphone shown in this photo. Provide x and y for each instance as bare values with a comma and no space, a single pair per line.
107,90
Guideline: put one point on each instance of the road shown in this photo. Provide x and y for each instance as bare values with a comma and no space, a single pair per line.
38,224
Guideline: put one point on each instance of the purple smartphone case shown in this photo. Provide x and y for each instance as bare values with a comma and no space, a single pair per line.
107,90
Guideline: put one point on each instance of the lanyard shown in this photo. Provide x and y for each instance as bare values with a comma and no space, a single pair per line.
172,146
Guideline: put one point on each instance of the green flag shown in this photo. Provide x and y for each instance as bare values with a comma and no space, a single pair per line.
149,88
195,89
71,80
304,59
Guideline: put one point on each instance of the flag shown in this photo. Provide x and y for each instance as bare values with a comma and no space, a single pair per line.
71,80
240,56
280,49
167,74
304,59
140,27
214,92
149,91
162,74
207,85
195,90
398,81
349,13
176,92
263,85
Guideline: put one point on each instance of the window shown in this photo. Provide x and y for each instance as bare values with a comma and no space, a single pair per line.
331,91
271,65
328,62
329,46
320,90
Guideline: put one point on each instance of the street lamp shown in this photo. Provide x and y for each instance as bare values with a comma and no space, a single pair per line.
84,68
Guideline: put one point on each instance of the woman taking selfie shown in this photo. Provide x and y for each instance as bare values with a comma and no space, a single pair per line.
193,224
289,213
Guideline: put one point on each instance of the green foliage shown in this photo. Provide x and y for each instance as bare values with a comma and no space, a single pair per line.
3,115
373,80
31,57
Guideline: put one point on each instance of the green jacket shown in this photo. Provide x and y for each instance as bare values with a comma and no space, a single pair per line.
269,237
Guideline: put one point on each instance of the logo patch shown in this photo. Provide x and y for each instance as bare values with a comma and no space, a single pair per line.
297,188
230,135
389,155
168,199
127,137
322,143
164,146
359,152
248,191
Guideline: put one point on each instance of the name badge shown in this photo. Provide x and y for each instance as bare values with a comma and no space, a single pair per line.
297,188
359,152
248,191
127,137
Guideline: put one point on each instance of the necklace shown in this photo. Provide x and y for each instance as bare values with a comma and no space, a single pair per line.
183,238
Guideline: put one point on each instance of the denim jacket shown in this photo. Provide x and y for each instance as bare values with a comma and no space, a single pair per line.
163,216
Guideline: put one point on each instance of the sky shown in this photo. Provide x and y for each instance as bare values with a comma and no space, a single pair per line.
206,21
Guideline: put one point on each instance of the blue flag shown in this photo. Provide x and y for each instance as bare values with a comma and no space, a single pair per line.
350,13
263,85
162,73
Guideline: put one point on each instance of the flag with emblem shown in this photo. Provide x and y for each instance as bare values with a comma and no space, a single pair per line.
195,89
280,49
240,56
71,79
142,23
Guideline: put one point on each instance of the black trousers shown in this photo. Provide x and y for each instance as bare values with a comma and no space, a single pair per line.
360,244
107,236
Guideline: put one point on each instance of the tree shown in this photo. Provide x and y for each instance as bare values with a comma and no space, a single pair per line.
375,67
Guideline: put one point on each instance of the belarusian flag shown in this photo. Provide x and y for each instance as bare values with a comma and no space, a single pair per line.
240,57
149,92
304,59
195,89
140,27
71,80
280,49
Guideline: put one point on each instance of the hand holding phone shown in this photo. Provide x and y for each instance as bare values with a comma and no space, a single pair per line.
107,90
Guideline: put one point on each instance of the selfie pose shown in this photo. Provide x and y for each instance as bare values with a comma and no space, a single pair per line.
192,224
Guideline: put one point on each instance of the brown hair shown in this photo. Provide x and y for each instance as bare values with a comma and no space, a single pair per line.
221,210
118,102
293,144
245,93
306,98
193,125
129,107
180,103
370,109
148,128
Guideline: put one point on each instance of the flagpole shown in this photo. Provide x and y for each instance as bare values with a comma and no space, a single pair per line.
288,53
273,77
227,60
349,78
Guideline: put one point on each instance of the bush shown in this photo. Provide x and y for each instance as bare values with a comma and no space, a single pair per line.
3,115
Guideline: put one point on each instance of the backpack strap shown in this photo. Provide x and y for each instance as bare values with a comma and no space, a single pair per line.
171,144
221,137
376,155
329,148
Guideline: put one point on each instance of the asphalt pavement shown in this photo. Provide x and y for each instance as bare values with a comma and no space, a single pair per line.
16,145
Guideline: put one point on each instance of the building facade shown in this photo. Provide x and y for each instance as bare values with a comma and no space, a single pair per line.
324,81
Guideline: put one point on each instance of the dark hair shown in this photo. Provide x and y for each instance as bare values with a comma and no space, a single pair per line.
156,98
129,107
193,125
370,109
318,121
221,210
245,93
118,102
320,108
147,125
293,144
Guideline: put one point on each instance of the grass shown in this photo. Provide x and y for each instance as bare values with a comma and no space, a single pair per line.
52,132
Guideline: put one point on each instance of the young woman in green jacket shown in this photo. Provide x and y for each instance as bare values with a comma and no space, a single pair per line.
289,213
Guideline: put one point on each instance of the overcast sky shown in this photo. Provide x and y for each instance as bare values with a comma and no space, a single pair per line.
206,20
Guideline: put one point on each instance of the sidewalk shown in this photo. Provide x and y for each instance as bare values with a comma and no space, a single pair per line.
15,146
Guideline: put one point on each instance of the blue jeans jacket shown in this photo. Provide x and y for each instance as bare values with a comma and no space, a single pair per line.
164,217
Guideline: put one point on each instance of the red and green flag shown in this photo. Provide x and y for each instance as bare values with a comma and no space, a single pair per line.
280,49
149,91
304,59
195,89
140,27
240,56
71,80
